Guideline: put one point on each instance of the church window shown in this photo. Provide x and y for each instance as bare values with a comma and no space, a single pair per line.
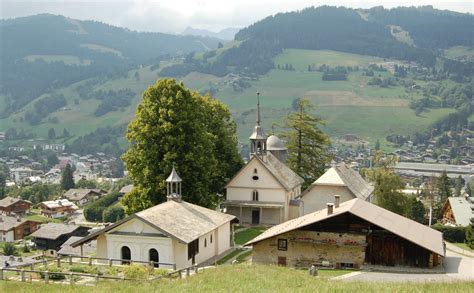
255,171
255,195
211,238
255,177
205,242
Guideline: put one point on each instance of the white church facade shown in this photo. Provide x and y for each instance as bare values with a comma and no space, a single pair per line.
263,192
172,234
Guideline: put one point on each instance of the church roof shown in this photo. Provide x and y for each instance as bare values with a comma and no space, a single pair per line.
181,220
410,230
343,175
282,173
257,133
274,143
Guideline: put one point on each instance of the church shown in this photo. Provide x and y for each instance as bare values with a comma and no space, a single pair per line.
174,233
263,192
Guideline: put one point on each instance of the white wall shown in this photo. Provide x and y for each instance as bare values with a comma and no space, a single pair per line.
264,194
319,195
7,236
223,238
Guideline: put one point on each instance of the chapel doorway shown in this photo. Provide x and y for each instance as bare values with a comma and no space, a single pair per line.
126,255
154,257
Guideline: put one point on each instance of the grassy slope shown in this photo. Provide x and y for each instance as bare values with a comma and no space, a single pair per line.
246,278
348,106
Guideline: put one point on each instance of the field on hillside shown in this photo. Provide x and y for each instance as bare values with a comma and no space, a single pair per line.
245,278
350,106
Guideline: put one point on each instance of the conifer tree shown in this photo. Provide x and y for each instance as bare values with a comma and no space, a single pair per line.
67,178
443,186
307,144
470,234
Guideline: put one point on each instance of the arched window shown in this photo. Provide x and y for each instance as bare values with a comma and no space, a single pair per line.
255,195
205,242
125,255
154,257
211,238
259,147
255,171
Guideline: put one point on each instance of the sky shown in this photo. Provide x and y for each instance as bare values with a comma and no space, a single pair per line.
173,16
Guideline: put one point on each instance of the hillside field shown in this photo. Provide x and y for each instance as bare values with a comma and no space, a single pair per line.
350,106
245,278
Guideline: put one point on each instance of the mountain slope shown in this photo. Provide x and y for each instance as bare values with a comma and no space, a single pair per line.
225,34
37,53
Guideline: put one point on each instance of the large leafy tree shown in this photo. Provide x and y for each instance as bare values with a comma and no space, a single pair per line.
387,184
307,144
174,126
67,178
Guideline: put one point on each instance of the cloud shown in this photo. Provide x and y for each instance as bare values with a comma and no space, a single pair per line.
176,15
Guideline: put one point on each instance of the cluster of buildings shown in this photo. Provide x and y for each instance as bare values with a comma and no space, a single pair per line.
333,222
25,171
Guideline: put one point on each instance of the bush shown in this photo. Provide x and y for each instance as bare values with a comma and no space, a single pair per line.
93,212
9,249
136,272
470,234
113,214
451,234
52,275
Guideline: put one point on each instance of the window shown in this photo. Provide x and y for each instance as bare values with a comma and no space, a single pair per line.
255,177
255,171
205,242
255,195
282,244
211,238
154,257
125,254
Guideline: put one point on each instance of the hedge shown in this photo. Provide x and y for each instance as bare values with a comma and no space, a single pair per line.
452,234
93,211
113,214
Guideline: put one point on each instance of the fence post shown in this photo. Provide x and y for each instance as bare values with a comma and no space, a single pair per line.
152,264
174,267
180,274
46,277
70,260
23,279
196,269
59,261
188,272
71,279
90,261
1,274
110,262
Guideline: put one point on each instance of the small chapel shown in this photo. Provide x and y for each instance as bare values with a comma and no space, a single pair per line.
172,234
263,192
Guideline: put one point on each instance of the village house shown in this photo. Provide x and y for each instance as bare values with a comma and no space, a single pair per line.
14,206
352,234
457,211
82,196
50,237
20,175
262,192
86,249
339,180
174,233
57,208
15,228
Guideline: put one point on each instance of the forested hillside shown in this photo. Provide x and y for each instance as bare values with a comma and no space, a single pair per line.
43,52
367,32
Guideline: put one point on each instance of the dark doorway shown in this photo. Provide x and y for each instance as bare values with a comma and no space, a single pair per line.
154,257
256,217
282,261
126,255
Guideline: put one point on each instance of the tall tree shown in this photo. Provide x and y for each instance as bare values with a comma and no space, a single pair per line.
387,184
307,144
458,186
443,186
3,180
469,188
415,210
176,126
51,133
470,234
67,178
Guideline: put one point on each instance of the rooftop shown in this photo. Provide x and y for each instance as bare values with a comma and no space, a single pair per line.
53,231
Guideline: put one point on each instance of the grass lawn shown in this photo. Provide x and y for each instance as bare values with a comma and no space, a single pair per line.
246,235
42,219
463,246
245,278
226,258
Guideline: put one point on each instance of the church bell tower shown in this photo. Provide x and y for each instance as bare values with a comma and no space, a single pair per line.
258,140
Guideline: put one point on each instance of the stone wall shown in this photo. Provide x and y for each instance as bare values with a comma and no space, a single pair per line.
307,247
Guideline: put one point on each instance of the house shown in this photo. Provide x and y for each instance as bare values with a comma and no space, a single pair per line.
20,175
126,189
340,180
351,234
14,206
82,196
50,237
457,211
57,208
15,228
174,232
262,192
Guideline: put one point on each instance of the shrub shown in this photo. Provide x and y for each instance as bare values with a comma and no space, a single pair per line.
451,234
53,273
113,214
470,234
9,249
136,272
160,272
93,211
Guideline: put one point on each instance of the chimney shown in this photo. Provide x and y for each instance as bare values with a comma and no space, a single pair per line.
330,208
337,200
